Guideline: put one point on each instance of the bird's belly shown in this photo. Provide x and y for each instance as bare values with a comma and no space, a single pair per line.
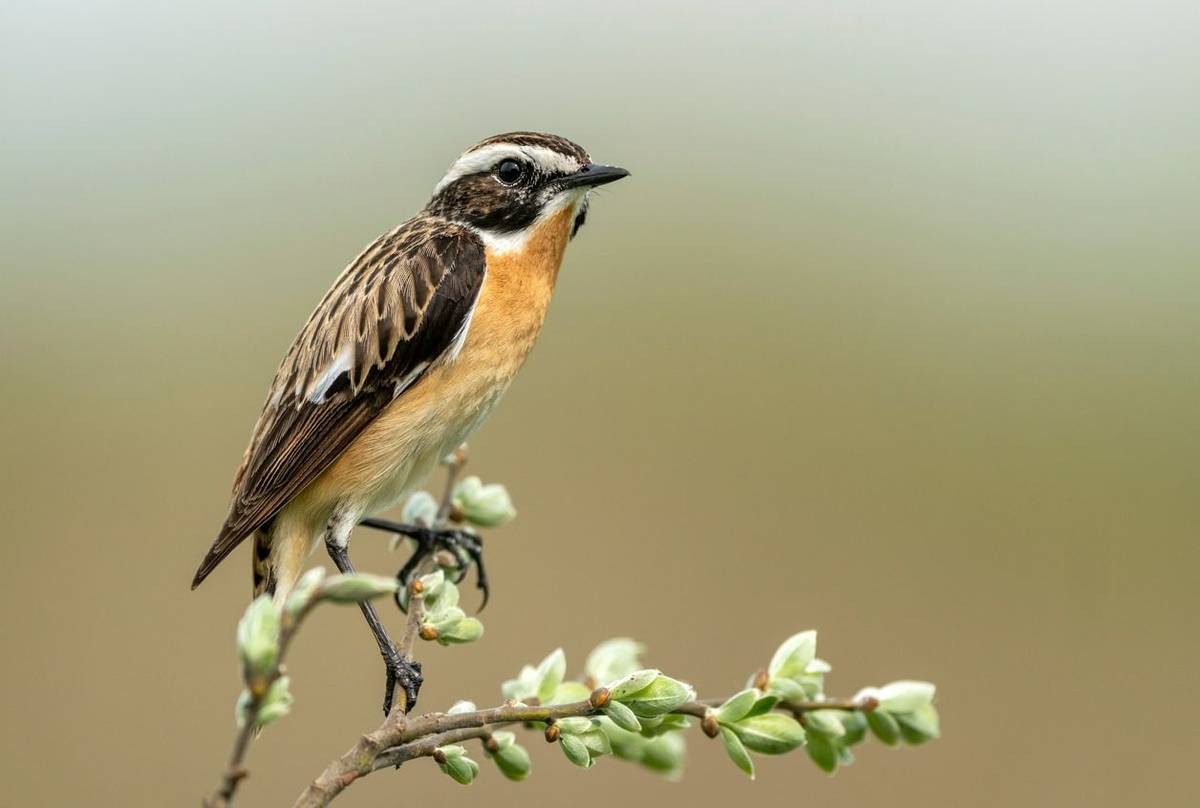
416,454
403,445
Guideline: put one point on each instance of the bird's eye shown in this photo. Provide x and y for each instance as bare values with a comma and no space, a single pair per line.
508,172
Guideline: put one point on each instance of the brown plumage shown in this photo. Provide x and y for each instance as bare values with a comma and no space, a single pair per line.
407,353
394,309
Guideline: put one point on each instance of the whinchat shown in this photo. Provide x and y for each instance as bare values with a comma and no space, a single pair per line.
404,357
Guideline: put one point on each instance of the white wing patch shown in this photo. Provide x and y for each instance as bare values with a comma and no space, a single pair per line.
460,339
342,363
409,378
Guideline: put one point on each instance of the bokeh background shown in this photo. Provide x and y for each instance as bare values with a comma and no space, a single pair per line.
893,333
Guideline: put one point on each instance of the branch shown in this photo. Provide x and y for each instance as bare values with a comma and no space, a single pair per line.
258,689
638,716
454,466
422,735
359,759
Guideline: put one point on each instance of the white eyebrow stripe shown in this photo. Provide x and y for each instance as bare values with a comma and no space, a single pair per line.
483,159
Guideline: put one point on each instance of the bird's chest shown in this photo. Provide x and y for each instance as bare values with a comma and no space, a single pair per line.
455,396
509,314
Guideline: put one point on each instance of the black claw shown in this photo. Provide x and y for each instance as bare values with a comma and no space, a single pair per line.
408,675
481,579
467,547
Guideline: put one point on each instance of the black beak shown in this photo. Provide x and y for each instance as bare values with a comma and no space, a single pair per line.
591,175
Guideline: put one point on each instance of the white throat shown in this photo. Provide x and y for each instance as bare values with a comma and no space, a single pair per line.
516,240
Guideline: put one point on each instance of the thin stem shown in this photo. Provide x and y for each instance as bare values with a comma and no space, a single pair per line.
412,625
359,759
458,459
425,747
235,772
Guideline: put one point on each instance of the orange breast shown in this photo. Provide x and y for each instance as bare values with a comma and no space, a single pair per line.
399,448
515,296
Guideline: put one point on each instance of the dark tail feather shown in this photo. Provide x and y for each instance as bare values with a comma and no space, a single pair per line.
260,564
222,547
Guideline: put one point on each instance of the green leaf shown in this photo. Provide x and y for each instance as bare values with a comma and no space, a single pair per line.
770,734
420,509
884,726
631,683
737,706
823,752
550,674
298,599
787,689
855,724
356,587
441,594
258,638
523,687
277,703
504,738
825,722
625,744
575,750
444,619
920,725
665,755
241,709
818,666
468,629
791,659
568,692
905,696
431,586
574,725
660,725
622,716
661,696
458,766
483,505
512,761
597,742
612,659
737,751
764,705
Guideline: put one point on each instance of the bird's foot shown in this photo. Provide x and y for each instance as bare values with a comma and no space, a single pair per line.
405,673
465,547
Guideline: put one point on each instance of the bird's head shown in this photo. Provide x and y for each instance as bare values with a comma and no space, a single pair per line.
505,185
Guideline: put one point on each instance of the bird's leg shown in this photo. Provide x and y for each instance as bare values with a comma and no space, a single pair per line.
429,540
406,673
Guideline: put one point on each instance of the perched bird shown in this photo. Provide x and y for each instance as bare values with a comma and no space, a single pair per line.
406,355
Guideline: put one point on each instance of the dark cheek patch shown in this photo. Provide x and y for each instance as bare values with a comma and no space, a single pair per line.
481,201
580,218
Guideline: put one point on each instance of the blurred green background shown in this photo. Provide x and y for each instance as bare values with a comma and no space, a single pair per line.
894,333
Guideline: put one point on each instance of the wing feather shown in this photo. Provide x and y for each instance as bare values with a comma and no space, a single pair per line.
392,313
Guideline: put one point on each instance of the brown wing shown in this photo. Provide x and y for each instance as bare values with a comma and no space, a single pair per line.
394,311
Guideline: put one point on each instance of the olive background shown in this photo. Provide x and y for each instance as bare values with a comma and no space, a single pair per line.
892,333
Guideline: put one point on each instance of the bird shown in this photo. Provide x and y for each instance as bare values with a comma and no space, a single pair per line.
403,358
